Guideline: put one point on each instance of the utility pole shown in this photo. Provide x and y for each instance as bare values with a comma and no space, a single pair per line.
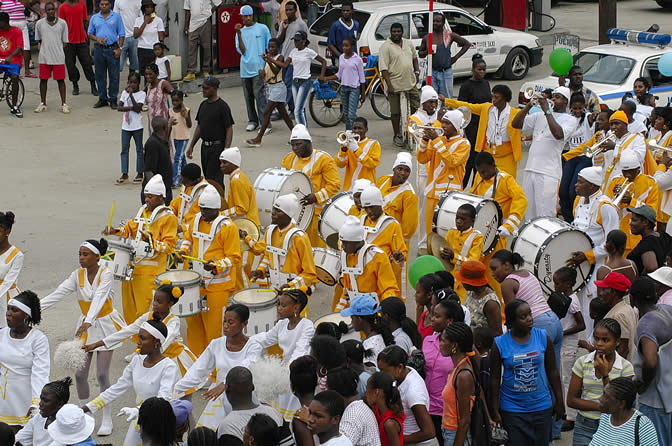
607,19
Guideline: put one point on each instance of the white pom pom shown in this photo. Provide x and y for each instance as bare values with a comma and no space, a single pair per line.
271,378
69,355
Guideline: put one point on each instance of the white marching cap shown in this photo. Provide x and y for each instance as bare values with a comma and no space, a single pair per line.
210,198
231,155
629,160
427,94
155,186
371,196
594,175
403,159
299,132
455,117
361,184
352,230
289,204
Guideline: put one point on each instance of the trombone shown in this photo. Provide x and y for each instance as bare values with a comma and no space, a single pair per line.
624,188
344,138
418,130
599,146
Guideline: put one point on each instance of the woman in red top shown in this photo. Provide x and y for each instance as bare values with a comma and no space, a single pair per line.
383,395
424,290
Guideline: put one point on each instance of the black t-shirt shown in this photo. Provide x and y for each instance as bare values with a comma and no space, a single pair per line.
650,243
474,92
157,161
214,118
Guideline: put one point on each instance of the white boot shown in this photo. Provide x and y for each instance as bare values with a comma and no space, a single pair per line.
106,425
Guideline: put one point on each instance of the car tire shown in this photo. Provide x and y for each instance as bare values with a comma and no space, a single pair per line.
667,4
517,64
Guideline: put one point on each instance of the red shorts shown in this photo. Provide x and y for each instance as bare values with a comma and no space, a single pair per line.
58,70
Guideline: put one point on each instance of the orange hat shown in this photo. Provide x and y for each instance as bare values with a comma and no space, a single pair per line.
472,273
619,116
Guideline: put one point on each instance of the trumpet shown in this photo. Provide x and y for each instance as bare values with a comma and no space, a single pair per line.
624,188
533,97
658,150
599,146
418,130
344,138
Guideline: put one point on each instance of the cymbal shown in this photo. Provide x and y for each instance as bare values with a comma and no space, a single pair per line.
248,226
435,243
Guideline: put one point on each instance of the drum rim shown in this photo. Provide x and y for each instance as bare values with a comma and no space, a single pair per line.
184,284
333,279
547,240
317,321
326,206
263,210
255,306
120,244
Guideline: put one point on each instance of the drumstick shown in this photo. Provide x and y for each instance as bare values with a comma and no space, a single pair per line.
299,191
195,259
109,224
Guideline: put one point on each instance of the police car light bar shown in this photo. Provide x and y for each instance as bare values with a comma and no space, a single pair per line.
624,35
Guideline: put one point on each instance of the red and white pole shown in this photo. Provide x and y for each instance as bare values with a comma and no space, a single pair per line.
429,42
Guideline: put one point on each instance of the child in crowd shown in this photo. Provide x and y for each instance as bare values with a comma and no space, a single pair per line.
325,412
355,352
484,337
383,395
180,120
161,61
597,311
572,324
130,104
364,312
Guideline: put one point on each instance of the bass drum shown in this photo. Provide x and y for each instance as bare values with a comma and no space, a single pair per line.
488,216
546,243
333,215
274,182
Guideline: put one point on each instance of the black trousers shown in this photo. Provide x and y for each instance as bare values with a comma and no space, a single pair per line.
210,163
74,51
145,58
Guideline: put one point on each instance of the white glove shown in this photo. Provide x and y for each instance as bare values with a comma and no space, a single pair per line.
503,232
352,145
131,413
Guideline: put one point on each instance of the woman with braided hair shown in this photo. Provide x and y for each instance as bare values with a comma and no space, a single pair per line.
426,286
54,396
620,423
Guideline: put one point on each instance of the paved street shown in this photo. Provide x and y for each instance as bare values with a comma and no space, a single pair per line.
58,174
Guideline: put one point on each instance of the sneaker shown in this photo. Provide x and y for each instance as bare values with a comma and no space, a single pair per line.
398,141
251,127
113,105
41,108
75,89
268,131
100,104
65,108
189,77
16,111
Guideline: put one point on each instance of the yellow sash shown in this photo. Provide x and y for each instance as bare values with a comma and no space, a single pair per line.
174,349
107,308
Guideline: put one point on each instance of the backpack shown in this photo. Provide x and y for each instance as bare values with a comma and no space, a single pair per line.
480,429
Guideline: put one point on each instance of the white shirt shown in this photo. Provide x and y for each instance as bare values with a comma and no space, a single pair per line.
132,120
585,219
403,340
161,63
638,145
294,343
546,151
35,434
150,35
569,322
359,424
496,132
234,423
201,11
301,61
129,10
413,392
341,440
9,270
637,126
582,133
376,345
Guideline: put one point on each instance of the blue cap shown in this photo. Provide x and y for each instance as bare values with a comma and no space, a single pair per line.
246,10
362,306
182,409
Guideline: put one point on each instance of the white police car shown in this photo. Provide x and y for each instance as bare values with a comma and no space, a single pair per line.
610,70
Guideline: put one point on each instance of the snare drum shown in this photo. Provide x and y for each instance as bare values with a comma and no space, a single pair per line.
122,269
336,318
546,243
488,216
191,302
261,303
328,265
273,182
333,215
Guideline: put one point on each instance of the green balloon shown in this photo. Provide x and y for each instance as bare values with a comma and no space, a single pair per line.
561,61
422,266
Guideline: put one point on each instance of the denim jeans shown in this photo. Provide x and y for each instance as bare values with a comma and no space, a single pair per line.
180,161
570,174
300,90
442,81
255,99
287,78
126,136
662,421
105,64
449,437
528,428
549,321
350,99
130,51
584,429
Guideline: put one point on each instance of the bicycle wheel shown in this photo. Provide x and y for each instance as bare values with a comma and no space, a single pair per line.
326,112
379,102
8,92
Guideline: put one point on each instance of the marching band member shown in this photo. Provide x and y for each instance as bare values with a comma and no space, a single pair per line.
385,232
663,177
185,205
92,285
602,122
360,158
424,116
357,189
464,243
399,198
625,141
150,374
214,239
596,215
242,203
154,234
24,362
640,189
366,268
495,134
11,263
289,255
232,349
320,168
543,171
446,157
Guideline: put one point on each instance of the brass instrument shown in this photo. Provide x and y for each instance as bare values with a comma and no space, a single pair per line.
533,97
466,114
599,146
418,130
344,138
248,226
658,150
624,188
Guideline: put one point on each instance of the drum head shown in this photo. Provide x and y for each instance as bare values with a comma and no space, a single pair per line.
332,217
178,277
324,276
435,243
488,218
300,185
255,297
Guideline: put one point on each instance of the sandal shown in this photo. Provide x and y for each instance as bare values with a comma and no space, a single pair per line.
31,75
138,179
122,179
251,143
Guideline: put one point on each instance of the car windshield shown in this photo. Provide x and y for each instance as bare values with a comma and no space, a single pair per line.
322,24
604,68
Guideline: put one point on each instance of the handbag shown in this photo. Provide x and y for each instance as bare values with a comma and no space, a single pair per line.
480,429
557,301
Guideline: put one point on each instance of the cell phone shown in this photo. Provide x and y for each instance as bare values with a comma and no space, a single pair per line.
153,15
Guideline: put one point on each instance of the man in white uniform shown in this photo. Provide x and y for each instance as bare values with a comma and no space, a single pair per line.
543,170
625,140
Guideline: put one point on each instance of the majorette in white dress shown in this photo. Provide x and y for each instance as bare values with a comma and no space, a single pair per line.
294,343
11,263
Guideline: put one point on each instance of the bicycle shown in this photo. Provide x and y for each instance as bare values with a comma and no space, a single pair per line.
325,104
6,89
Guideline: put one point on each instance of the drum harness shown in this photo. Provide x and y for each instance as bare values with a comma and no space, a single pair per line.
137,243
357,270
278,278
204,241
188,199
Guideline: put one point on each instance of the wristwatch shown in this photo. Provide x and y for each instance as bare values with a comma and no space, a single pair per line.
548,112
